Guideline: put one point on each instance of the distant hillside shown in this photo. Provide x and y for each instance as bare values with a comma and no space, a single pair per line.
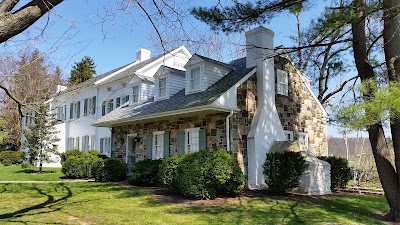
337,147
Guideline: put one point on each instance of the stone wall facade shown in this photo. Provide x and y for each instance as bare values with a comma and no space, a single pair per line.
299,111
213,123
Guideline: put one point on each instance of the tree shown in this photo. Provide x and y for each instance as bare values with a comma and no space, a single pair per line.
41,137
15,18
82,71
354,16
31,80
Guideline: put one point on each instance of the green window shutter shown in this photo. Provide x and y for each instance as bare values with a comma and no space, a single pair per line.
127,98
85,106
166,144
202,139
71,111
181,142
103,110
149,146
78,110
94,105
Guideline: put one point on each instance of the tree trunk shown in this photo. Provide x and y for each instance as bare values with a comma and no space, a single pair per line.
391,37
386,171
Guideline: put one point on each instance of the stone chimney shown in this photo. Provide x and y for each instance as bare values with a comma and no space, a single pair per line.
142,54
266,126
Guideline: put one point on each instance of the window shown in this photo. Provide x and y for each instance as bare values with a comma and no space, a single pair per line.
61,112
195,78
85,106
85,143
135,94
71,111
77,143
70,143
77,108
289,135
162,86
105,145
92,105
282,82
123,85
29,118
117,102
110,105
158,145
192,140
303,138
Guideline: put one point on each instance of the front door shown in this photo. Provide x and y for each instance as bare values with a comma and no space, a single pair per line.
130,151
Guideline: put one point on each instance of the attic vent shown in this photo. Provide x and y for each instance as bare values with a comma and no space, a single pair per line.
142,55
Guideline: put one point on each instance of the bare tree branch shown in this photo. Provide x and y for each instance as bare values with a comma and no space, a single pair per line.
14,23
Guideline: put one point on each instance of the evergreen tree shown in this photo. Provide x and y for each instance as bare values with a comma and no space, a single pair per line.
41,137
82,71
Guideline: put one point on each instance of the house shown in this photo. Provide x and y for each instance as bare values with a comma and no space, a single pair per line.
243,106
78,107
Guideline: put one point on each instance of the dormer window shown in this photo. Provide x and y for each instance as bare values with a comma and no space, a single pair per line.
162,84
135,94
195,78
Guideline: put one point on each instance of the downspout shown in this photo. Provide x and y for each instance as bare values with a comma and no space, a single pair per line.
228,137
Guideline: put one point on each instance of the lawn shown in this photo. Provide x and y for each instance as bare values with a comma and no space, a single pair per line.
16,173
104,203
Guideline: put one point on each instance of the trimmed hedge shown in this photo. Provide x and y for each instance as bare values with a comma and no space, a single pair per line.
206,174
74,152
145,173
283,170
340,171
168,172
10,157
80,165
113,170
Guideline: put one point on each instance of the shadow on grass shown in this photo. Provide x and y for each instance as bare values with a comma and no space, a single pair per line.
51,204
30,171
291,210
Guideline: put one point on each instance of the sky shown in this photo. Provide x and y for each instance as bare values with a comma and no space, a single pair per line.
111,36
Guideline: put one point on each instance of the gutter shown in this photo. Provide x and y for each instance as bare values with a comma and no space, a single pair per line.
160,115
228,138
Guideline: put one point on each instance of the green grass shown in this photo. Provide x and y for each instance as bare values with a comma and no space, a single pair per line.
16,173
103,203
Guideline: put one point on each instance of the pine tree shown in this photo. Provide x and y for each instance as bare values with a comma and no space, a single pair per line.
82,71
41,137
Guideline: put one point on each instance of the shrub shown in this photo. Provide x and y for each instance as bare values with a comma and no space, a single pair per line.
6,162
83,165
74,152
167,173
283,170
340,171
206,174
113,170
145,173
25,165
12,157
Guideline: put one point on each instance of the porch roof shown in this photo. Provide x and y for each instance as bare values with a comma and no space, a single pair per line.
178,104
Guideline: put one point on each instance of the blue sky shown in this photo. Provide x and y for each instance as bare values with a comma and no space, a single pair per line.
76,30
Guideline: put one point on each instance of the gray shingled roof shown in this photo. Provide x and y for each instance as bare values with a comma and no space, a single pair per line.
216,62
125,73
179,101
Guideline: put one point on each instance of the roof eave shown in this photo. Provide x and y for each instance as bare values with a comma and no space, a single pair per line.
164,114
